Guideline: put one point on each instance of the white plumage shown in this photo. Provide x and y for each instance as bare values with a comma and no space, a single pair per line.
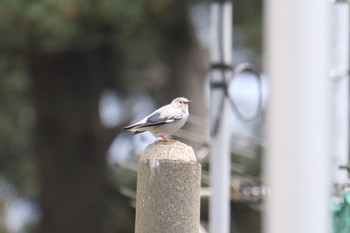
165,120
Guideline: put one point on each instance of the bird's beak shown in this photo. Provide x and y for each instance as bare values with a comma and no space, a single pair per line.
187,102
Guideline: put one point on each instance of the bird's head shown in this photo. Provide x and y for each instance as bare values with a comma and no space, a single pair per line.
181,103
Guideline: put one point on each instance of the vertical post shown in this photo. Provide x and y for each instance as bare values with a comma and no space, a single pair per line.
168,189
220,163
298,132
339,61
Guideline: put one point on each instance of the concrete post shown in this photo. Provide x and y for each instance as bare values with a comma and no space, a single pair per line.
168,189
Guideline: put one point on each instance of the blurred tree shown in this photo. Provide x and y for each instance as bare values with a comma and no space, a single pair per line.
71,51
57,56
247,29
70,139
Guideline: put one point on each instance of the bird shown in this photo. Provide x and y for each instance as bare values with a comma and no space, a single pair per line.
164,121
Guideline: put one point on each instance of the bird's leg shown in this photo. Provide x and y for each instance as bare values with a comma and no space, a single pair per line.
166,139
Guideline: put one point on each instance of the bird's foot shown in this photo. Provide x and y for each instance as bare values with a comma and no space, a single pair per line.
166,139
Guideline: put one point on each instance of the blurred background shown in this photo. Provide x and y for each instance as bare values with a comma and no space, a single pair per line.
74,72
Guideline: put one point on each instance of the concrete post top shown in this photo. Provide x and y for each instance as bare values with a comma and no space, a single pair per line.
169,151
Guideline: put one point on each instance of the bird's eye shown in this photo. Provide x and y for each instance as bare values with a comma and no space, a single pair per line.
180,102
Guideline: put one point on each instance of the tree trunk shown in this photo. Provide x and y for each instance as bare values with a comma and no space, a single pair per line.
70,141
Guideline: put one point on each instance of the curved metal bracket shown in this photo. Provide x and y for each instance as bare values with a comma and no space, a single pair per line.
250,68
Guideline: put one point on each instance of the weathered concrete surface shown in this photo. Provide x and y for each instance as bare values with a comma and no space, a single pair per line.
168,189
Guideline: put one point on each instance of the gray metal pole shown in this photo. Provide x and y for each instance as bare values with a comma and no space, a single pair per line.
168,189
339,64
298,152
220,162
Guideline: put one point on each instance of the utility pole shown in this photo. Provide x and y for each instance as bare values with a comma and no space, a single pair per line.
339,76
220,159
298,153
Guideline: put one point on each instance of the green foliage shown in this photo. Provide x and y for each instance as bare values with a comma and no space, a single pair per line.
49,26
16,122
140,32
247,18
56,23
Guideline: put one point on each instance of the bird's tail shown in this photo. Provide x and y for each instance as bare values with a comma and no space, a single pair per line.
133,128
129,127
137,132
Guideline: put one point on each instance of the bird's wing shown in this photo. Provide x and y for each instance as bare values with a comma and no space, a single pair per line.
164,115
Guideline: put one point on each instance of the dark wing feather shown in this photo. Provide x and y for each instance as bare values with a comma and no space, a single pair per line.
156,119
153,119
129,127
137,132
